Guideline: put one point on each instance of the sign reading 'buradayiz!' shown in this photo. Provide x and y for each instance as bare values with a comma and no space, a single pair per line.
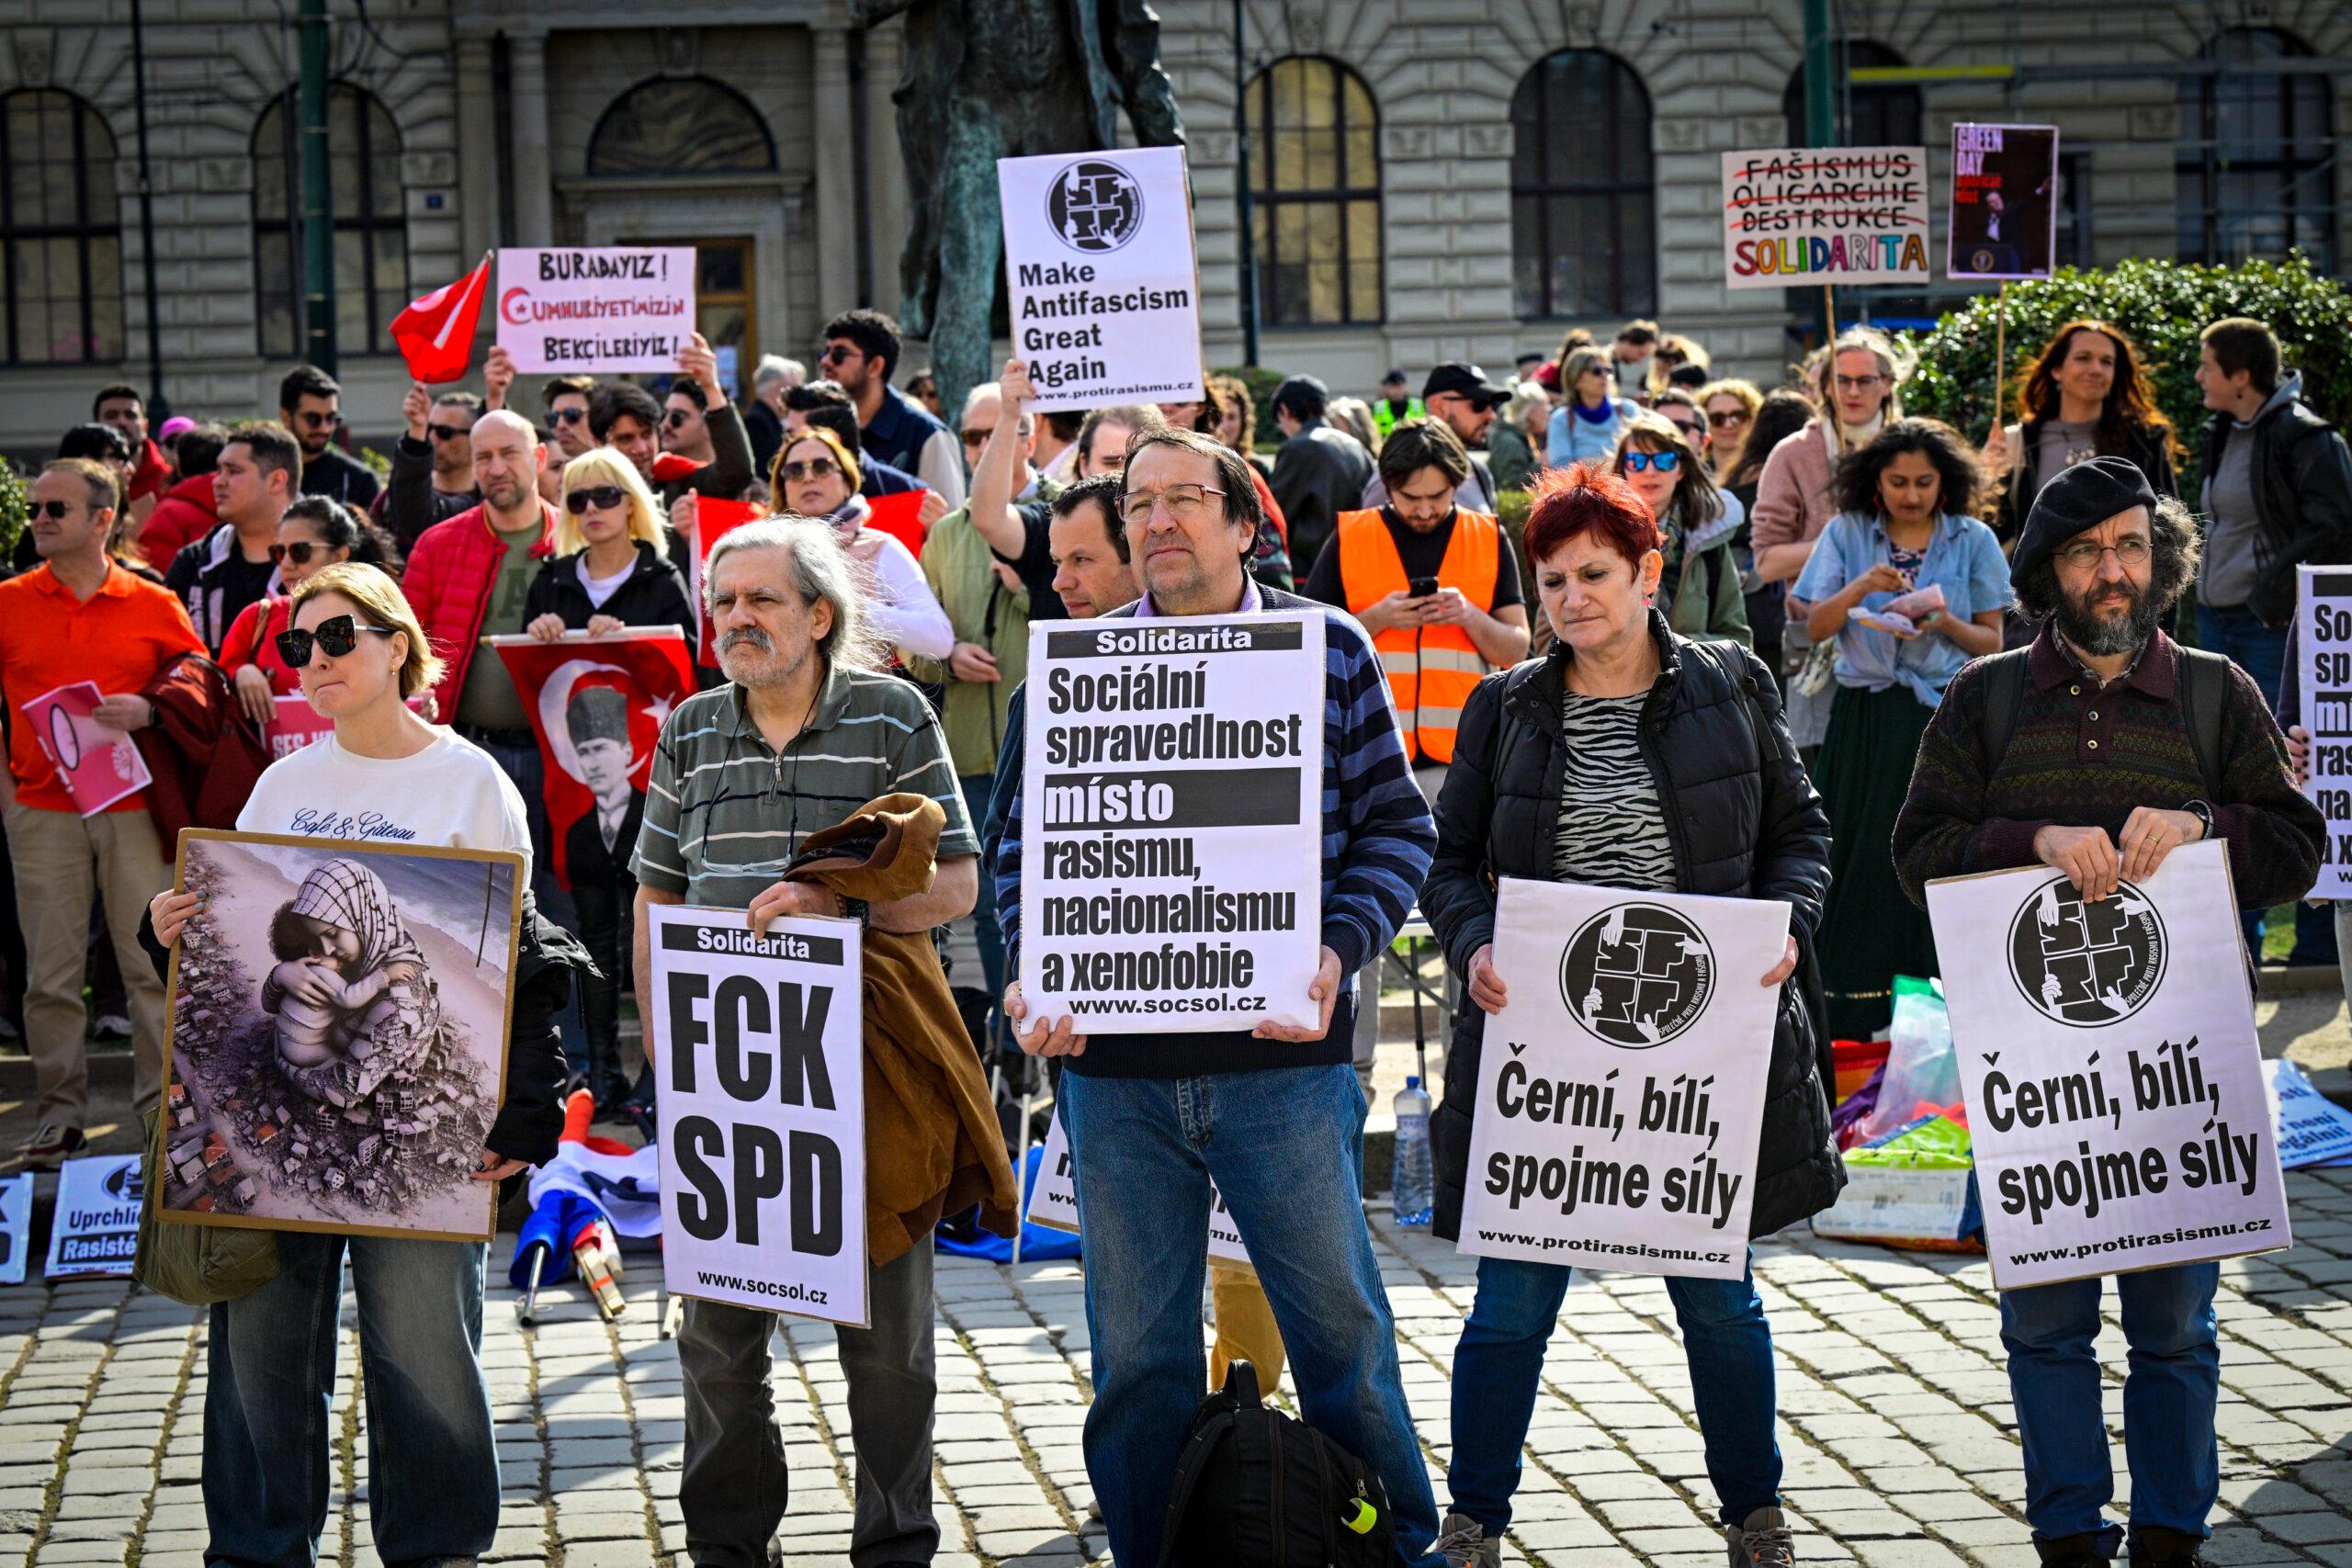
599,310
763,1080
1171,848
2113,1076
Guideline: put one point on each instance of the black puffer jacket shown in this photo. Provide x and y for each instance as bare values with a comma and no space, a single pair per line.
1744,823
653,594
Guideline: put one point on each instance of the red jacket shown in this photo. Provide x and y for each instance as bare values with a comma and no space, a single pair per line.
204,754
448,583
183,516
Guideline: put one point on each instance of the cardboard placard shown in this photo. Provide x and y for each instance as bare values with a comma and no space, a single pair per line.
2312,1129
98,764
96,1228
2003,220
600,309
15,1227
2324,599
1052,1201
1830,215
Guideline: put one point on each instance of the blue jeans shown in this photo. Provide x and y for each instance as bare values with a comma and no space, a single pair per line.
976,788
1724,1338
1281,1146
268,1430
527,769
2168,1395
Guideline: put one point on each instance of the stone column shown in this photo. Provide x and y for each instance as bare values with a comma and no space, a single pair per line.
527,106
836,214
478,160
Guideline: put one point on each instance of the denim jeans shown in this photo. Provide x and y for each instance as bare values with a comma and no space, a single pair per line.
527,769
1281,1146
2169,1389
269,1433
976,788
1725,1339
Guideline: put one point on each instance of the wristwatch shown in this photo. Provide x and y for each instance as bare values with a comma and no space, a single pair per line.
2204,814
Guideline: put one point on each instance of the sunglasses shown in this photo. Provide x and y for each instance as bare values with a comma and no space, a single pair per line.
1664,462
55,510
298,552
839,353
602,497
337,633
447,432
1725,420
568,416
1691,429
318,421
675,419
977,437
812,468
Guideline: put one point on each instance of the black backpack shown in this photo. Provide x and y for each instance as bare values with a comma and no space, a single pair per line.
1256,1489
2204,698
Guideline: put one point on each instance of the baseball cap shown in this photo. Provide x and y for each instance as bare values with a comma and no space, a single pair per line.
1461,376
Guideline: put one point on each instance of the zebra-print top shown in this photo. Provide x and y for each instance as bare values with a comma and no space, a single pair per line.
1613,828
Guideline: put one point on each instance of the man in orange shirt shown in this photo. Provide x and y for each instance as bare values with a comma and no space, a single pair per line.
81,616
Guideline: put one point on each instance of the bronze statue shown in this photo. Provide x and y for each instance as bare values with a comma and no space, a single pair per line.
989,79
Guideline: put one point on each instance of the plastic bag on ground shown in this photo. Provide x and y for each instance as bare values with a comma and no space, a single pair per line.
1922,1072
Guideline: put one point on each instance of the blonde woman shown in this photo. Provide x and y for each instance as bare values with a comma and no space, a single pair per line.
268,1435
1584,428
611,567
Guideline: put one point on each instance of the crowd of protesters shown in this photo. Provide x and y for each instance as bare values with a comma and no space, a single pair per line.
1703,559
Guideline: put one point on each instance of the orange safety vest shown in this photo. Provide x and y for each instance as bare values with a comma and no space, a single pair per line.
1430,670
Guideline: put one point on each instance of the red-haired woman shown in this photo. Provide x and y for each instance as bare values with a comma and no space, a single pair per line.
1632,757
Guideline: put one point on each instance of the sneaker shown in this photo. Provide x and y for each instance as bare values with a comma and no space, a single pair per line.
1462,1543
51,1144
113,1026
1763,1541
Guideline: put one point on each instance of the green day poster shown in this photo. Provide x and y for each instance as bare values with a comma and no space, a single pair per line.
2113,1078
1826,215
1172,856
2325,646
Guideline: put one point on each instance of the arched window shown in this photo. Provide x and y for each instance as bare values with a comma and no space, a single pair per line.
1583,192
370,224
1315,181
60,232
1867,114
2255,172
680,124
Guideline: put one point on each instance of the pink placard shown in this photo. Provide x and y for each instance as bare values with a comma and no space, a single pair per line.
297,724
98,764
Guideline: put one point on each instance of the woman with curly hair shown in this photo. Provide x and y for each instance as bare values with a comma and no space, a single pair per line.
2085,395
1909,586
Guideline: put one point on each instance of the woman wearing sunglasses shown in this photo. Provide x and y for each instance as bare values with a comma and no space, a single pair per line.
315,532
432,1486
1698,591
817,478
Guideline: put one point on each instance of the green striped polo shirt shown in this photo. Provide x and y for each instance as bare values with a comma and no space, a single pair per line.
725,811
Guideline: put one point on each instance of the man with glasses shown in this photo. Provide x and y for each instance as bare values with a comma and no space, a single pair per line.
81,615
1272,1114
699,424
565,400
218,576
1458,395
860,351
433,465
309,404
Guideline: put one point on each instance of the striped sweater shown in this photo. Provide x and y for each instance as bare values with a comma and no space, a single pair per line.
1377,840
2087,756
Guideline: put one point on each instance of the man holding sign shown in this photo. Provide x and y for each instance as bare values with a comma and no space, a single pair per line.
806,731
2098,750
1272,1110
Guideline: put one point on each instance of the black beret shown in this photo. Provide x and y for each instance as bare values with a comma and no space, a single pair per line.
2078,500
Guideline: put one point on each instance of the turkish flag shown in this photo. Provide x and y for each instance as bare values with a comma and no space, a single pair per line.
597,704
435,334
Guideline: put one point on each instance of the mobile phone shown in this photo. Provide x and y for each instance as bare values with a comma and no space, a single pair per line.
1420,587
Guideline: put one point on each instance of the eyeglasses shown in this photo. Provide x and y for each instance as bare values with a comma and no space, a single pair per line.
1184,502
298,552
602,497
567,416
55,510
837,354
338,635
446,431
675,419
2086,556
812,468
314,420
1691,429
1725,420
1859,383
1664,462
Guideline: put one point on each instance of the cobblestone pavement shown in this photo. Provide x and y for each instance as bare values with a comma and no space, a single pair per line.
1896,1424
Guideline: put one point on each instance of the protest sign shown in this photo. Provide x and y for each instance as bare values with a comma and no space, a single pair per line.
336,1045
1832,215
758,1044
596,705
2326,681
1171,854
1617,1120
96,1228
98,764
1098,250
573,308
2312,1129
2113,1079
296,724
15,1227
1052,1201
2004,221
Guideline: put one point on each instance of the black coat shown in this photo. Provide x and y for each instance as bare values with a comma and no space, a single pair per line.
2149,449
653,595
2302,493
1744,823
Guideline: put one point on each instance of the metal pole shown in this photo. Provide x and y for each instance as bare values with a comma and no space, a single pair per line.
159,408
318,202
1241,187
1820,73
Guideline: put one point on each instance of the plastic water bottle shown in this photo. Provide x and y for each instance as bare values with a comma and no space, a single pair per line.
1415,1191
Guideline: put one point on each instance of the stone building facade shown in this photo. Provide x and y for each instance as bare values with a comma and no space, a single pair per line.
1431,178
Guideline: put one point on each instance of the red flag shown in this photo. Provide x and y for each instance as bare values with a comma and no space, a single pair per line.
596,705
435,334
714,519
899,516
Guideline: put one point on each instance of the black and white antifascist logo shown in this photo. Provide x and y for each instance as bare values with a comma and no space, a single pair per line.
2086,964
1638,974
1095,206
125,1183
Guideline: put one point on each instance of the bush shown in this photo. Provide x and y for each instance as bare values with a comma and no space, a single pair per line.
12,509
2163,305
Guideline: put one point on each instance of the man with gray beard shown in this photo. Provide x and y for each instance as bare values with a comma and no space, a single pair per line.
807,730
2098,750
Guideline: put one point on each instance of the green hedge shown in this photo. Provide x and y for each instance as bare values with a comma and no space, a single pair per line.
2163,305
12,509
